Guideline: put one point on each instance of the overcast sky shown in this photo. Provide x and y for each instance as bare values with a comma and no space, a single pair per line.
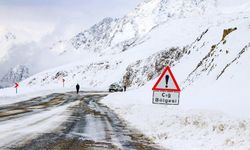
40,17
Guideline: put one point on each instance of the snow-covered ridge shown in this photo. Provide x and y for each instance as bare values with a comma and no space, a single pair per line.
96,36
198,47
92,75
223,53
16,74
112,34
204,47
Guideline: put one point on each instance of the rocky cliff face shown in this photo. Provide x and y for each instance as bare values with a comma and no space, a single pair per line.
96,37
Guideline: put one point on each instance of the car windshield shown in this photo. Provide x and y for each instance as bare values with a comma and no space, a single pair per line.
115,86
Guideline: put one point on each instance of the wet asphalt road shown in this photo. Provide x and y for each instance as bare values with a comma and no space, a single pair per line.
91,125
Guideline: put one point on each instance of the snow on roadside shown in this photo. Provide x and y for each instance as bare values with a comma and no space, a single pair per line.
177,128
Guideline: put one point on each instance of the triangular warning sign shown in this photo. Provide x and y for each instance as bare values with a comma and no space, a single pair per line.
166,82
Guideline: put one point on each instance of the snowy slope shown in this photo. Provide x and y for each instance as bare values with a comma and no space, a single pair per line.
145,61
213,74
202,46
177,127
94,38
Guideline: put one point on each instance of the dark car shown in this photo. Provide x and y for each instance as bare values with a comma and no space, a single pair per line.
115,87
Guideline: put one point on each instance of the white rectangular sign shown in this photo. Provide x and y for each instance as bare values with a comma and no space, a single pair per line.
168,98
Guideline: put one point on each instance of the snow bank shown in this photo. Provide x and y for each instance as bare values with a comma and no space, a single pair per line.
178,127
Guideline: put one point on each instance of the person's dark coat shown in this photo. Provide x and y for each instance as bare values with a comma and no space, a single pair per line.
77,88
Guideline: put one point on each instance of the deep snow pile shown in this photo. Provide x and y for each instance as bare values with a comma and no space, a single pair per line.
214,106
175,127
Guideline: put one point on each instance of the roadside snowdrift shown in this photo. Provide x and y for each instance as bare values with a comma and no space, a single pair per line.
193,123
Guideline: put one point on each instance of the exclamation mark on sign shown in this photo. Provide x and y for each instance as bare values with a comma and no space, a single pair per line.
167,78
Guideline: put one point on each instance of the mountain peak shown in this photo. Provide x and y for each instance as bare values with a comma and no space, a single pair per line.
119,34
96,36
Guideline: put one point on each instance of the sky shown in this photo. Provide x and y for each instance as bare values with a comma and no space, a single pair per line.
65,17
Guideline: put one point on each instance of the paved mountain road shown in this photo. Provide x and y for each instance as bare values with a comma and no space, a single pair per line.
89,126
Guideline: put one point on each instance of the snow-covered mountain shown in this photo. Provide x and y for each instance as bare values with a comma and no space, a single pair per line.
196,28
94,38
197,38
16,74
117,35
206,43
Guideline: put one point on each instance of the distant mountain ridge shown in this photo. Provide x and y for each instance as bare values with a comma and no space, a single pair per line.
117,35
16,74
136,47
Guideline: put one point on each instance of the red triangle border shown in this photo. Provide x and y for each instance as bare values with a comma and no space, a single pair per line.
166,89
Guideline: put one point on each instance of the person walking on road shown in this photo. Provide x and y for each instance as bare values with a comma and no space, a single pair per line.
124,88
77,88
